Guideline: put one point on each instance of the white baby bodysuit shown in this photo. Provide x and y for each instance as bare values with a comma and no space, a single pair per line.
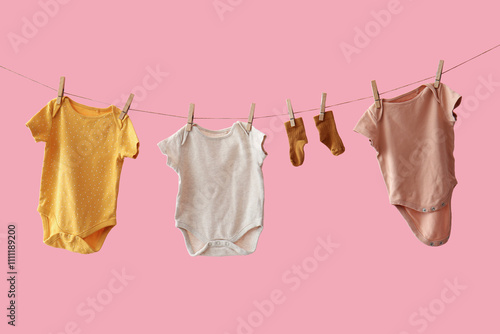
220,201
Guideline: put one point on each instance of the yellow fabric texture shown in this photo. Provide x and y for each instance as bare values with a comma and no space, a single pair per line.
84,152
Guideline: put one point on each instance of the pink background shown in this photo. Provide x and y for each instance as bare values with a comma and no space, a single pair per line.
380,279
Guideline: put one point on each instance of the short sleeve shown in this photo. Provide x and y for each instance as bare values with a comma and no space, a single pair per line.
449,101
41,123
129,143
367,126
171,147
257,137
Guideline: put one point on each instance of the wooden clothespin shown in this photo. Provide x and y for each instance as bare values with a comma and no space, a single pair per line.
60,92
250,117
438,74
126,107
290,112
375,94
322,110
190,117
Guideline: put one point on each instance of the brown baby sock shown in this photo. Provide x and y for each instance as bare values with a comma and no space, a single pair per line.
297,139
328,134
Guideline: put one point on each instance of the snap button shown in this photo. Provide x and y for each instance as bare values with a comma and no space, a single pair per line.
432,244
443,204
433,209
440,242
424,210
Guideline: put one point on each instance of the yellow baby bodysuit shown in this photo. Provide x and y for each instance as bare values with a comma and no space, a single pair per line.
84,152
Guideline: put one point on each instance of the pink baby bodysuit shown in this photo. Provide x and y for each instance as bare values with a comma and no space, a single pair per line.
414,139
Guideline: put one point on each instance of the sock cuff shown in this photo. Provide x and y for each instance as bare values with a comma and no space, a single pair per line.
298,131
328,119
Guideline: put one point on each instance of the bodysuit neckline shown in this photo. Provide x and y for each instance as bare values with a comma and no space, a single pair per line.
393,100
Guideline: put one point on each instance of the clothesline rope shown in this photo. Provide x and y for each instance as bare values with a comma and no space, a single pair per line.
261,116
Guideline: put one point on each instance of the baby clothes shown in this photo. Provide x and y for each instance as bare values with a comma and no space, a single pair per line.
414,139
328,133
220,201
84,152
297,139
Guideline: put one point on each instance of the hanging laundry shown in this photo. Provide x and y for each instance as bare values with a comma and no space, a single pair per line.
297,139
84,152
414,139
328,133
220,199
